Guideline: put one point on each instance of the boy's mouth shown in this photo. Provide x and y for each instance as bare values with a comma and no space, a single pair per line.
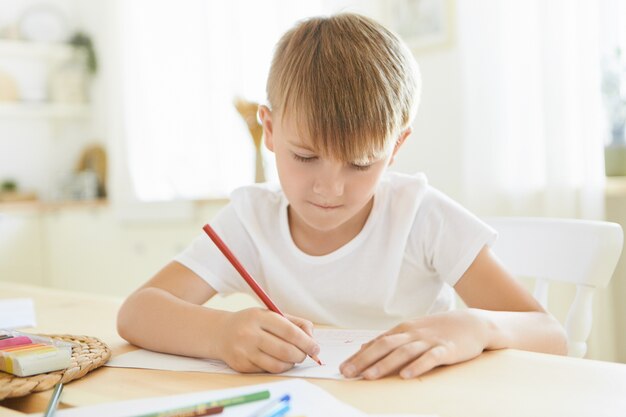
326,206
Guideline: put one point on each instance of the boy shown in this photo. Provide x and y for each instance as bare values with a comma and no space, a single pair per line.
341,242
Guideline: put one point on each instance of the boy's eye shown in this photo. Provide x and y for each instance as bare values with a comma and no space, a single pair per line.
301,158
361,167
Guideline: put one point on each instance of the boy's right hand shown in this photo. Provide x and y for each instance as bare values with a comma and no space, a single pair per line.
259,340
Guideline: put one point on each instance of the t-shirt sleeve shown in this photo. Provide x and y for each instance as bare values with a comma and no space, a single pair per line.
447,237
210,264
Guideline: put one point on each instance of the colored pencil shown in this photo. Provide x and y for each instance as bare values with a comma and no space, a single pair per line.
14,341
241,399
278,411
54,400
192,412
272,406
210,407
245,275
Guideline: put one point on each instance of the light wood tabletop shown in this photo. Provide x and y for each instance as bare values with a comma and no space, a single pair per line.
499,383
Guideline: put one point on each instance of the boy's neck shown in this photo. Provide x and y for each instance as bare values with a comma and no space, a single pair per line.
316,242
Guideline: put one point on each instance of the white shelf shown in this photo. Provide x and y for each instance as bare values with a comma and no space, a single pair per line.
44,110
35,50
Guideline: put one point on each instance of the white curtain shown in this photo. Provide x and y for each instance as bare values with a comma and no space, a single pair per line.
534,129
184,64
535,125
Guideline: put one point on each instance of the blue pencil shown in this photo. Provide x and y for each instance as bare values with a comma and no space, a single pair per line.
280,410
275,408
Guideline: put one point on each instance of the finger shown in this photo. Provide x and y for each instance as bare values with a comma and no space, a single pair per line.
280,349
372,354
268,363
400,328
305,325
365,346
289,332
369,343
429,360
391,363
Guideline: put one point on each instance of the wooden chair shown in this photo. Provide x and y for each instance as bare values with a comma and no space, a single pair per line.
579,252
248,111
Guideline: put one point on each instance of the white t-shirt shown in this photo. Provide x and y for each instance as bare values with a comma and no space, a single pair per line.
414,246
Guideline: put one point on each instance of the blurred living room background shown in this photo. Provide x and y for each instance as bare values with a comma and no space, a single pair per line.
124,124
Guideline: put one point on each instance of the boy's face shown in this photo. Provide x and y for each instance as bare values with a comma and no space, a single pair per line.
324,193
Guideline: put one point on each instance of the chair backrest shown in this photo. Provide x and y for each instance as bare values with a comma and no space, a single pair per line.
579,252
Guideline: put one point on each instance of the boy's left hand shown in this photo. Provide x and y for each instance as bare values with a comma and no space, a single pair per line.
417,346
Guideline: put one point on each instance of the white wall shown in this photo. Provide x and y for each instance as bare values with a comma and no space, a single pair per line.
435,145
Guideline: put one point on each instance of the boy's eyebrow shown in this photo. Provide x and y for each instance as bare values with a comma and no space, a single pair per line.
300,145
369,159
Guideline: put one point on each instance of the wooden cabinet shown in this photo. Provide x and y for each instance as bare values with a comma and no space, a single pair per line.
84,246
21,250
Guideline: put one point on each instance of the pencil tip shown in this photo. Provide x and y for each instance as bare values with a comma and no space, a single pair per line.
316,359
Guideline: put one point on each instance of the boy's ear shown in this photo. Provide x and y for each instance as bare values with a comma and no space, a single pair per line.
405,134
265,115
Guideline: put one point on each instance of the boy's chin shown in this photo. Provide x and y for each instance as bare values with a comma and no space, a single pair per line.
324,225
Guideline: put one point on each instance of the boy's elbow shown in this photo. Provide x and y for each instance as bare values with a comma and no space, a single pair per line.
123,322
126,317
559,345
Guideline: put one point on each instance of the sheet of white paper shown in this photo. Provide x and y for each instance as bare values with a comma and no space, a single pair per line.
17,313
336,346
306,399
402,415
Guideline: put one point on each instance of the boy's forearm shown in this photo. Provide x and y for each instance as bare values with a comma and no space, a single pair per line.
532,331
155,319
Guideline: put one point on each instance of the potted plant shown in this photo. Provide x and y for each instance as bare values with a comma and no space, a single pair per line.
70,83
82,42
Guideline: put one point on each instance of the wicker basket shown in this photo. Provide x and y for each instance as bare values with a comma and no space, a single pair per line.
88,353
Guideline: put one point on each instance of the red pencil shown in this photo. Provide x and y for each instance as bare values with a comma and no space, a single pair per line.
245,275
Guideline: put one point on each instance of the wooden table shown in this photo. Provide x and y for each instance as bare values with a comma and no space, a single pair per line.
500,383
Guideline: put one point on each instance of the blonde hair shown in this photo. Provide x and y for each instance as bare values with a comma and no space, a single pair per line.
352,85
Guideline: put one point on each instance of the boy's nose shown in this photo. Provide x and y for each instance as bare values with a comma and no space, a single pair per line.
329,184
